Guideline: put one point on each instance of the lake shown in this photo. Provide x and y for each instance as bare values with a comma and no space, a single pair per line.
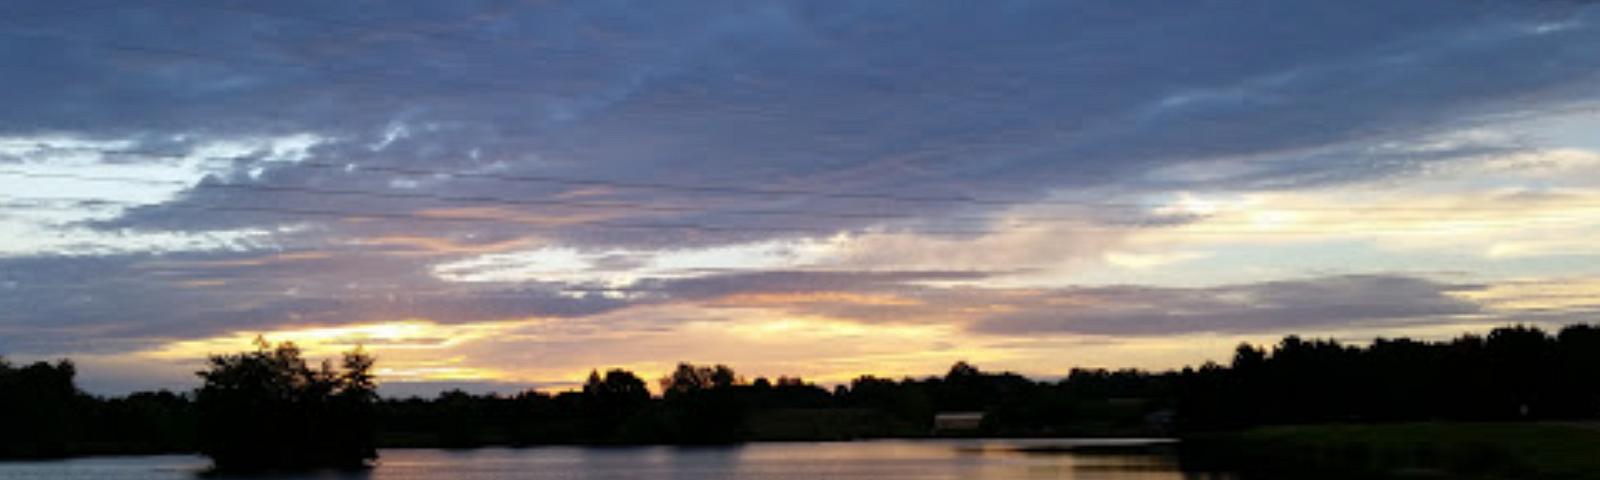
875,460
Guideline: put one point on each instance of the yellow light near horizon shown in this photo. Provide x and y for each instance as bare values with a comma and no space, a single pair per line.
1197,206
434,374
408,350
1274,218
1536,295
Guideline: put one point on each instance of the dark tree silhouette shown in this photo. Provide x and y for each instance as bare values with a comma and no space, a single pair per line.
610,401
618,386
907,401
1579,349
269,409
701,405
142,422
689,378
36,415
1513,373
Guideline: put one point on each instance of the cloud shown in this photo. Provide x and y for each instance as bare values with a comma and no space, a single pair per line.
1350,302
1546,299
1371,302
942,169
114,304
1536,203
1010,101
807,282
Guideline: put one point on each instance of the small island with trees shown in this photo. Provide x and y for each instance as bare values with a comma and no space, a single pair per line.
270,408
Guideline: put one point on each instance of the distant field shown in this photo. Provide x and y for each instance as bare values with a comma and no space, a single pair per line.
1417,450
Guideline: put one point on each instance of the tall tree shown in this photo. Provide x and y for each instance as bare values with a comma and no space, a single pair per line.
269,409
688,378
609,401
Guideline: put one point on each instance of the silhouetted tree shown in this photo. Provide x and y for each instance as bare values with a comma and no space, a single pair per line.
701,405
962,370
908,401
269,409
609,401
966,388
36,409
142,422
1516,372
1579,350
461,419
693,378
1522,371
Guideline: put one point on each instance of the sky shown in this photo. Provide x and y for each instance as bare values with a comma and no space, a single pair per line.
498,195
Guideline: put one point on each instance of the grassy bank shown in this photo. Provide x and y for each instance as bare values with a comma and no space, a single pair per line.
1418,450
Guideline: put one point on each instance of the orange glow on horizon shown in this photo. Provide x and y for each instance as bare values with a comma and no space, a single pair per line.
408,350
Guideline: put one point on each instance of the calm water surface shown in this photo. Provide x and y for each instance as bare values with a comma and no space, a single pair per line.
875,460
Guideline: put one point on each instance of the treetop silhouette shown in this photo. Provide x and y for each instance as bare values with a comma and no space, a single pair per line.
269,409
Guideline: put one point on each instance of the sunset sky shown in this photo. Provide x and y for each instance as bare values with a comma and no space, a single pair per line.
499,195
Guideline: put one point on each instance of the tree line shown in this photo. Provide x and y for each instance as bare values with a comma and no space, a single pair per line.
272,408
710,404
267,408
1513,373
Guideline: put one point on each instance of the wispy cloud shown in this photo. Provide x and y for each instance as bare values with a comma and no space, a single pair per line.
785,184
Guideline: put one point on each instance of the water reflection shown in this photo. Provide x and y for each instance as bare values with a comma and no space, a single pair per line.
876,460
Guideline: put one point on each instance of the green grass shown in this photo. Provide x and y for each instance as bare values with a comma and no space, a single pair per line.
1416,450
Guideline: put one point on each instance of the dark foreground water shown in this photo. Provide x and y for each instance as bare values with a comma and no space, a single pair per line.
872,460
967,460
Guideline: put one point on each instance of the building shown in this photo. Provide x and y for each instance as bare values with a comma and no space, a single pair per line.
956,422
